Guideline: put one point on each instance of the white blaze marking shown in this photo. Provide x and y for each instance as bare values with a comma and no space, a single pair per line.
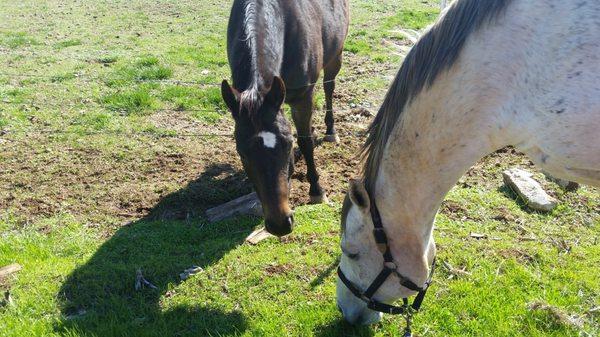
269,139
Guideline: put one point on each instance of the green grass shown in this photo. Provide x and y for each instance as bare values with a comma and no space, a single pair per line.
82,210
131,101
16,40
147,68
68,43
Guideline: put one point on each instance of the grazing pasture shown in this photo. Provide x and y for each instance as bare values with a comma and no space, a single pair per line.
114,141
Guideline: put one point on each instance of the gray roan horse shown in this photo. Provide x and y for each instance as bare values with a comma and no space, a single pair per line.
276,51
487,75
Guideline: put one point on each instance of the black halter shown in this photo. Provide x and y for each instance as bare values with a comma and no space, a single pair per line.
389,268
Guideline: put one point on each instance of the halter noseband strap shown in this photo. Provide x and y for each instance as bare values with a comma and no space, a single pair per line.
389,268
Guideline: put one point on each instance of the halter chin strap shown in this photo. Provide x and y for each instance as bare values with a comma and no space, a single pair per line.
389,268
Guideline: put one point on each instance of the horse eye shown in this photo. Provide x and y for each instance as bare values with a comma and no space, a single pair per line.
353,256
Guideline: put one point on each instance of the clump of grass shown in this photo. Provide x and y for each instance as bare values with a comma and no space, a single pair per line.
15,40
68,43
62,77
14,95
357,45
95,120
148,68
210,117
3,122
206,103
190,97
411,19
135,101
108,59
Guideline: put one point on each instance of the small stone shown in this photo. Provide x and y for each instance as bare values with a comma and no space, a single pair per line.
194,270
478,235
530,190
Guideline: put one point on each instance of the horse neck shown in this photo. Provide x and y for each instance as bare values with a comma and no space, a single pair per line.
442,132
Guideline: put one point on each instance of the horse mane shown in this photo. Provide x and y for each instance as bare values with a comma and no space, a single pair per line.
437,51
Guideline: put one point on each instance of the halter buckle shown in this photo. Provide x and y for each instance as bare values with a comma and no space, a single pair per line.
392,266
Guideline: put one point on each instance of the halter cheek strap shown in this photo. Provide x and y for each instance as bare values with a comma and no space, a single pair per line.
389,268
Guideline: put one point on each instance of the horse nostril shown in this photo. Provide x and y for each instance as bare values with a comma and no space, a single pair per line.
290,221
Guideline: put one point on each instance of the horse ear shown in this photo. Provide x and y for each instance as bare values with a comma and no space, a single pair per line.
276,95
358,195
231,98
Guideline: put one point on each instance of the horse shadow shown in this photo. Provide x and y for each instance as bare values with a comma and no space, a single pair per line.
99,298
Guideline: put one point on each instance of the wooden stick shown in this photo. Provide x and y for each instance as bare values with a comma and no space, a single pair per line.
10,269
246,205
258,236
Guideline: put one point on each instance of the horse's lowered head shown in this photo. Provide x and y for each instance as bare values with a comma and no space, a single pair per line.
264,142
362,260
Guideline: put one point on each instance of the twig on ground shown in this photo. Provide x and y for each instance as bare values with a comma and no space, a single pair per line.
141,282
557,314
455,271
594,310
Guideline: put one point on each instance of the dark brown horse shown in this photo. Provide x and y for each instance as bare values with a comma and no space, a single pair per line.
276,50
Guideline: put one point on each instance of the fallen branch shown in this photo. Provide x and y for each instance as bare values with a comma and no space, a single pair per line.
246,205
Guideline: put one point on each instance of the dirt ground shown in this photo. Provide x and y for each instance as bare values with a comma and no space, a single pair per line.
43,177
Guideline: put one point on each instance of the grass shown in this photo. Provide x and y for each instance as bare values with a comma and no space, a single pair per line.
16,40
131,101
120,189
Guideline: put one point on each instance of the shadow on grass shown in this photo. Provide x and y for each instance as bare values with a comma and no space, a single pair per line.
340,328
99,297
325,274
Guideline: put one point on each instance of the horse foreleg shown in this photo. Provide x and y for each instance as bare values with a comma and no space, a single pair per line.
302,115
330,73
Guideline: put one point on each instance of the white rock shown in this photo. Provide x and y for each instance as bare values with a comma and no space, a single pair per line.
530,190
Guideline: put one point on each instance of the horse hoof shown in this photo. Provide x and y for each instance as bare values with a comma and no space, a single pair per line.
332,138
319,199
